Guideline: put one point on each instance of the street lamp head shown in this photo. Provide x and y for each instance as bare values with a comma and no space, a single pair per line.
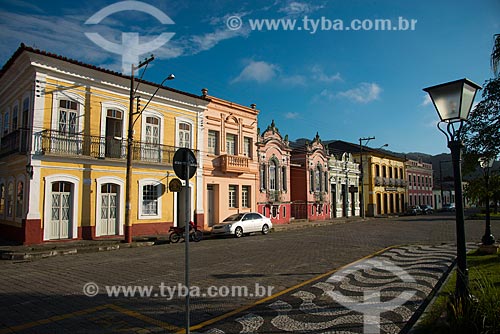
453,100
171,77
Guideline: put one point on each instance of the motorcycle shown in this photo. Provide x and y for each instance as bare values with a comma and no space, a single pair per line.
178,233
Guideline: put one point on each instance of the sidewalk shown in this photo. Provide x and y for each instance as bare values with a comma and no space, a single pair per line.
10,251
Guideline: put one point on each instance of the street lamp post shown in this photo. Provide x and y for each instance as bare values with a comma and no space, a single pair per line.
130,142
486,164
362,189
453,101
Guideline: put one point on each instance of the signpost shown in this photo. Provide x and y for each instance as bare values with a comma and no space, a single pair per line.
185,165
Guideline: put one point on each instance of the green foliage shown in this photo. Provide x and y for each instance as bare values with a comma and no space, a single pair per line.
495,56
481,315
482,130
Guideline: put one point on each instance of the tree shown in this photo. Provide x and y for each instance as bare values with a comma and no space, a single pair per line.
495,56
482,131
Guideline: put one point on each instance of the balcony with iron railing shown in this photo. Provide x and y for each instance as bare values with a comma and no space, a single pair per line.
15,142
274,196
233,163
50,142
319,196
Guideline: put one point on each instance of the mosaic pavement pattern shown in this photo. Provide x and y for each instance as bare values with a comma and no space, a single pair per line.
376,295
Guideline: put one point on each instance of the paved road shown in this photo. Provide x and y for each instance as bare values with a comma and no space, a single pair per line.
46,296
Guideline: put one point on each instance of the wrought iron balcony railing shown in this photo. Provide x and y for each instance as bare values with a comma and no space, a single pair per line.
274,196
50,142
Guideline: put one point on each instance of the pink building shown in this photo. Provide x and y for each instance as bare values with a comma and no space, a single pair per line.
310,180
230,169
273,199
420,182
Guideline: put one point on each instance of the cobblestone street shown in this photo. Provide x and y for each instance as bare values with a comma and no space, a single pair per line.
46,296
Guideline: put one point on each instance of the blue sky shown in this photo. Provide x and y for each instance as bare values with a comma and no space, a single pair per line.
343,84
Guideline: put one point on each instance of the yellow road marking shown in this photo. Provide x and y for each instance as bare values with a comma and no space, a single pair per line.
282,292
53,319
144,318
117,308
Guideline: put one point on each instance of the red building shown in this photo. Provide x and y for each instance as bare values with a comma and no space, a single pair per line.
273,199
419,182
310,180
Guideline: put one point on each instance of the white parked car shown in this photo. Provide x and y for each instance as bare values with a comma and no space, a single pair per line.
243,223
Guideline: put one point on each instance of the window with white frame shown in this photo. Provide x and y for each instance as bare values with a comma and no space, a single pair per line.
19,199
213,142
263,181
247,147
152,135
150,200
9,200
68,115
284,176
272,175
233,195
317,179
15,117
231,144
152,138
2,199
184,135
245,196
25,112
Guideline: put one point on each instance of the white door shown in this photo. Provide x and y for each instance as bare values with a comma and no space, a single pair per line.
109,213
60,220
210,197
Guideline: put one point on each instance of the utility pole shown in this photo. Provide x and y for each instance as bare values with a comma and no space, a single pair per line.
362,193
130,141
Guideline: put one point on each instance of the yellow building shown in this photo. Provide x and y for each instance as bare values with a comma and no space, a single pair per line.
63,149
383,183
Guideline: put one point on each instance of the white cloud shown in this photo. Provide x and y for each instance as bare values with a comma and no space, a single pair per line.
292,115
364,93
426,100
318,74
296,80
259,71
299,8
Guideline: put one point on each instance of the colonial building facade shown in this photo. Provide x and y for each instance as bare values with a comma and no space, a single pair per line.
344,184
384,178
420,182
310,183
274,196
63,151
230,162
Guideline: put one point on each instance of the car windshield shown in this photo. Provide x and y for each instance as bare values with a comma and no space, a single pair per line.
234,218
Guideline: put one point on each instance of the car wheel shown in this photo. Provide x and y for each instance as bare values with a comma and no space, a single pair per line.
265,229
238,233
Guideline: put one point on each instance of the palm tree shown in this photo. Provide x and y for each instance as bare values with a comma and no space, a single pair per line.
495,56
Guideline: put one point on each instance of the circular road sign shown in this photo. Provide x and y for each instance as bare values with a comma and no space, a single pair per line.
182,157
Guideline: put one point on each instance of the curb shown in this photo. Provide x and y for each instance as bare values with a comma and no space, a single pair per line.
22,256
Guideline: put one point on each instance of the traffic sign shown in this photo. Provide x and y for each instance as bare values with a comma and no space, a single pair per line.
182,157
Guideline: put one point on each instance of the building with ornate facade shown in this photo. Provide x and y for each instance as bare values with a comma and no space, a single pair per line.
230,162
274,195
63,151
384,178
344,185
310,186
